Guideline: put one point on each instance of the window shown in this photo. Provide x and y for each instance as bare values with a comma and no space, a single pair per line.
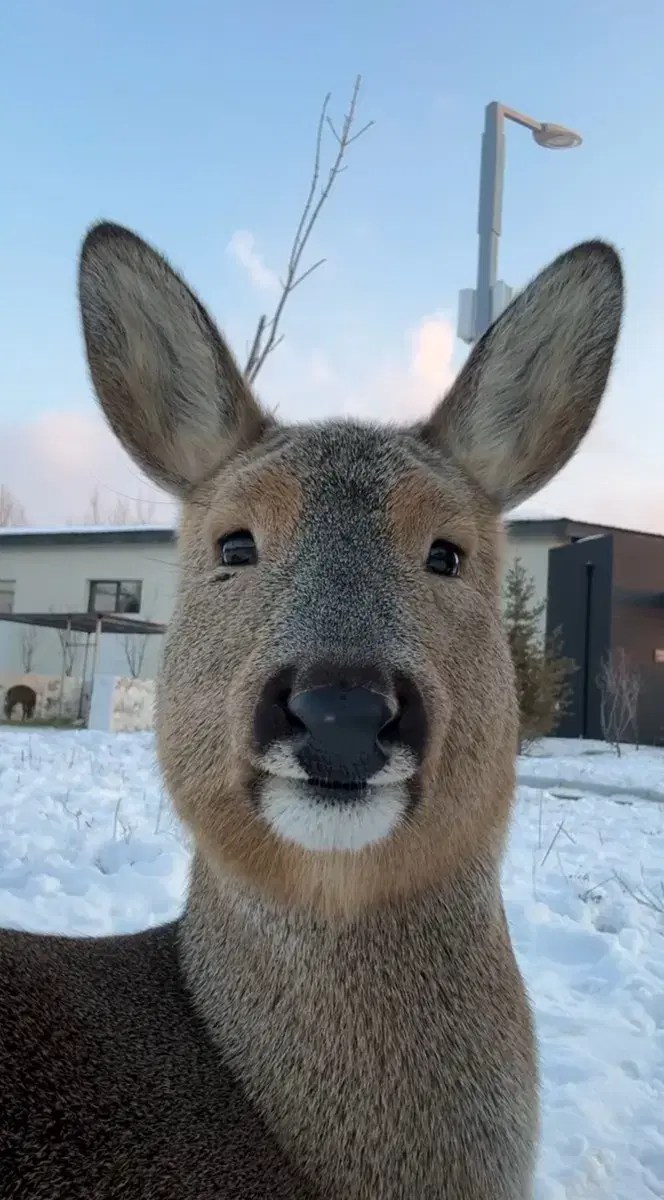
7,590
115,596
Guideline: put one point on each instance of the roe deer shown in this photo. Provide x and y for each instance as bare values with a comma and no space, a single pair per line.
338,1012
21,694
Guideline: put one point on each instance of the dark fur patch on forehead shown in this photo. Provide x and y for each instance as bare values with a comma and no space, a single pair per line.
362,460
361,456
359,471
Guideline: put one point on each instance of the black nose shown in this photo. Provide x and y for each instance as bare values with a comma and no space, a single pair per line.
337,732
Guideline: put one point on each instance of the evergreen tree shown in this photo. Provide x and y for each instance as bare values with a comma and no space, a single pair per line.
541,672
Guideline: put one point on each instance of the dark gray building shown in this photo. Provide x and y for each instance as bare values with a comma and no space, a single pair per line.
606,594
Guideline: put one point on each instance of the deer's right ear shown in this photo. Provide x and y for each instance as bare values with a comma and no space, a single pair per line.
530,388
166,380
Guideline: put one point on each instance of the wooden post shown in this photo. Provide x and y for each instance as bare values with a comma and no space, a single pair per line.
65,647
81,696
95,661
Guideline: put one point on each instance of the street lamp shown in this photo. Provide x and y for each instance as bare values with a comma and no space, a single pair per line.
479,306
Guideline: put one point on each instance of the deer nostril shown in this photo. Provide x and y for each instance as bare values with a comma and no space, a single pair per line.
282,700
272,719
388,734
346,729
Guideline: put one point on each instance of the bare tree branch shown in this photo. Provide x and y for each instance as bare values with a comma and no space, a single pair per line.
28,647
619,686
135,646
267,336
68,649
69,646
93,515
305,275
258,338
12,511
126,510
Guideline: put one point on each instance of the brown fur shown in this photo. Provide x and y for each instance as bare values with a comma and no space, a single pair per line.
264,495
129,365
109,1087
519,407
366,1003
421,852
21,694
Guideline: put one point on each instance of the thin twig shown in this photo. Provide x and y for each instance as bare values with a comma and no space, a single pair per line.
116,819
596,886
650,901
561,868
267,336
553,841
256,344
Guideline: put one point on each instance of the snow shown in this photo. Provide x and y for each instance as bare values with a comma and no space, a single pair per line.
530,512
88,844
56,531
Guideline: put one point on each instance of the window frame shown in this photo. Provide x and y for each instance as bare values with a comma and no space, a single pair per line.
119,585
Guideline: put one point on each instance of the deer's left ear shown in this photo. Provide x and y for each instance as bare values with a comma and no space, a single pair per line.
164,376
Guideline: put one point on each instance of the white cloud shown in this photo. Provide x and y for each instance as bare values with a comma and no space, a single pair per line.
402,388
54,463
431,368
243,248
608,487
406,388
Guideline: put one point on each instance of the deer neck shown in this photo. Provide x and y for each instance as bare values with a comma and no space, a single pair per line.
308,1014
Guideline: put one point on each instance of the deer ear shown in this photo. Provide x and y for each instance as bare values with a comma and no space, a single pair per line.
165,378
530,388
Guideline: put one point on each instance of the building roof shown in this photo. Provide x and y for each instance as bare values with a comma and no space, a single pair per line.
566,528
87,622
87,535
94,535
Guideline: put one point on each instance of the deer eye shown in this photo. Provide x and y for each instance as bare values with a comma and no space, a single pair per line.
238,549
445,559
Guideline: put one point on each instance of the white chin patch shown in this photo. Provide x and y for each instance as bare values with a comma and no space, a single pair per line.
300,814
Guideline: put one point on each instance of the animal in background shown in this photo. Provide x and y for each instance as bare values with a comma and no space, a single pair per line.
21,694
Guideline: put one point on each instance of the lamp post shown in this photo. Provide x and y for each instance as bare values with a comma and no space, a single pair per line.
479,306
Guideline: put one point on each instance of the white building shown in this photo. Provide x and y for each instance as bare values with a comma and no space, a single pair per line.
123,569
132,569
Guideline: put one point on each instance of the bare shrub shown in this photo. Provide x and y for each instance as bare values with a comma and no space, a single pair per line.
619,684
135,646
68,648
12,511
125,510
29,638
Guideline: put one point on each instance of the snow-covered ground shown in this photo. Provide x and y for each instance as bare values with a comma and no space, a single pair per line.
88,845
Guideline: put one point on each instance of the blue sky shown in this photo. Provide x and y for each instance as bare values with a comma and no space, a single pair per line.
193,122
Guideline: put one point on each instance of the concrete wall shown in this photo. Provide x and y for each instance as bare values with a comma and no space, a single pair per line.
119,704
122,705
48,691
58,577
